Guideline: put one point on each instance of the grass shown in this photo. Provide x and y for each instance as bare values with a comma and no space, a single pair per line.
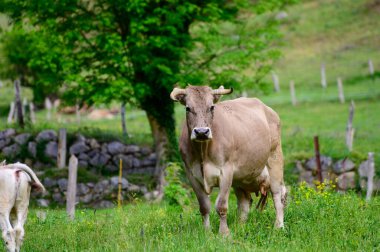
315,221
343,34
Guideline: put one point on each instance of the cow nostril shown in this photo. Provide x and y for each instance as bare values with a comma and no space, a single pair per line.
207,131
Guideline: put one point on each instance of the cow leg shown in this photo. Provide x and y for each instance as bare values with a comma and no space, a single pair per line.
21,207
244,201
276,167
225,182
203,199
8,233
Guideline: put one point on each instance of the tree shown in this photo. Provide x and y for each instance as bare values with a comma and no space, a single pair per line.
34,58
136,51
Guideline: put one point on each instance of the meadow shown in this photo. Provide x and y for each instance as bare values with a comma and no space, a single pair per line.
314,220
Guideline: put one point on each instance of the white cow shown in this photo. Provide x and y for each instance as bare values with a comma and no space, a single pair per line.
16,181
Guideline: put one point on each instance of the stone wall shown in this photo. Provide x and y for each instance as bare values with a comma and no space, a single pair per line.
101,159
101,194
344,172
40,152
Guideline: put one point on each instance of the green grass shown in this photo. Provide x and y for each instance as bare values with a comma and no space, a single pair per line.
313,222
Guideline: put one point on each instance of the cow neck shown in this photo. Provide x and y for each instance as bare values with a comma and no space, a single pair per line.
202,148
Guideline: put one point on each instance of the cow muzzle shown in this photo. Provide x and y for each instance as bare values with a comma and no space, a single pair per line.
201,134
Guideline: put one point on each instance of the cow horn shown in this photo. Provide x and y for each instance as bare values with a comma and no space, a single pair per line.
177,91
222,91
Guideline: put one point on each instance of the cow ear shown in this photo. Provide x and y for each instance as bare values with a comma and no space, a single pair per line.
178,95
217,98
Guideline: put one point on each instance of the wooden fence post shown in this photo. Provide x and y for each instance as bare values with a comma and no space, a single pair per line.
340,90
276,82
370,174
71,187
77,113
119,197
350,131
11,112
323,75
61,157
370,67
48,106
123,125
20,117
293,93
318,158
31,111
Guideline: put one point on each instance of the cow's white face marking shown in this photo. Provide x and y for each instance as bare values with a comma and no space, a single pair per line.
196,137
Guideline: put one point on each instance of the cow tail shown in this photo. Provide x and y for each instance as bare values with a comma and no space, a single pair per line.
36,183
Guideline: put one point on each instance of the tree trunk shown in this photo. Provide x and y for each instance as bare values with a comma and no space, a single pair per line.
123,124
161,146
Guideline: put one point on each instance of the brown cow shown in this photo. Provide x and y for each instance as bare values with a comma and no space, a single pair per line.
235,143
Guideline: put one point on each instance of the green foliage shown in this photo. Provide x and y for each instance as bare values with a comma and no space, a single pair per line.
175,193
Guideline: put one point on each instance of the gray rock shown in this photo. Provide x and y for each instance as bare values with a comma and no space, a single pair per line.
46,135
4,142
57,197
145,151
115,182
136,163
311,164
43,202
100,159
78,147
133,188
101,186
152,195
363,169
93,143
11,151
93,153
82,189
115,148
111,168
22,138
90,185
86,199
82,164
346,181
131,149
83,156
306,176
343,165
51,150
104,149
148,162
62,183
143,189
80,138
126,160
32,149
48,182
103,204
7,133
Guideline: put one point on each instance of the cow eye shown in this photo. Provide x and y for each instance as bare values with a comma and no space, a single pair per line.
187,109
212,108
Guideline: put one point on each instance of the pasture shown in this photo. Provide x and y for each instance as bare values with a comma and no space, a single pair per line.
315,220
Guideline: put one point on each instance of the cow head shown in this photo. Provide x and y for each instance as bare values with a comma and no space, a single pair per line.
199,103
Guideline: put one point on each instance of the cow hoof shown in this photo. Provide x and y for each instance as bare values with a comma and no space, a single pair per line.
225,232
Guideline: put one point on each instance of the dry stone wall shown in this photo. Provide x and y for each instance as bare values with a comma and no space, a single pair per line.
98,158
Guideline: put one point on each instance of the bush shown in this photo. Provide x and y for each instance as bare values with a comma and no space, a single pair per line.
175,193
